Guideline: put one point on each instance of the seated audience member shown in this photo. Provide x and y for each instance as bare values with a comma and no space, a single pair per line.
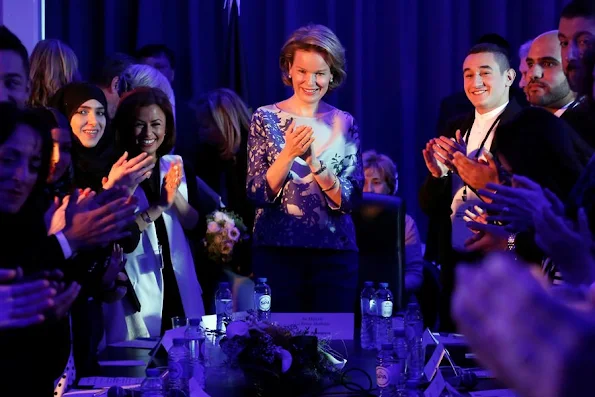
53,65
530,339
13,69
160,57
161,268
381,177
108,78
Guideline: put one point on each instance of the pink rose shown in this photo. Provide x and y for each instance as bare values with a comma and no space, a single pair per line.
213,227
234,234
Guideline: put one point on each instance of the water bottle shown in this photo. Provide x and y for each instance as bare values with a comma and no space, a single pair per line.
195,340
401,354
413,389
223,306
262,299
152,385
387,371
368,311
414,329
384,312
178,363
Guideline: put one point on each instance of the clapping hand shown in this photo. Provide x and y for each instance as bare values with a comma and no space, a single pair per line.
476,173
98,220
23,303
129,173
487,238
298,141
568,244
515,206
531,342
171,182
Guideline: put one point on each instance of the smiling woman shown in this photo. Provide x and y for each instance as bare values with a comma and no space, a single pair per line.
304,176
93,145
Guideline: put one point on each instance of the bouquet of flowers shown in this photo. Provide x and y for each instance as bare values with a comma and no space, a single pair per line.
272,355
224,230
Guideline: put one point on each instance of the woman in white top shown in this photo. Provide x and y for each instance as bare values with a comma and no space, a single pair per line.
161,269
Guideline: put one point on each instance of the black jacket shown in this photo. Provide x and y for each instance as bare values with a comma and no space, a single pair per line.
435,195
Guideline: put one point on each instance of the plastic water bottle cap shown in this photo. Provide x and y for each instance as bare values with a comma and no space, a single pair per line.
261,280
179,341
224,284
368,283
383,285
387,346
153,372
194,322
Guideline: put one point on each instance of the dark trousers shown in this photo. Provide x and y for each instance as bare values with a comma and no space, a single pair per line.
306,280
448,280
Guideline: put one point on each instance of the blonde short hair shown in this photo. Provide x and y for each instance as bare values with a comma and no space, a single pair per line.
384,165
230,115
317,38
136,76
53,65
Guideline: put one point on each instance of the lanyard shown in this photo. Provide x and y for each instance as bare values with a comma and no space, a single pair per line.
477,154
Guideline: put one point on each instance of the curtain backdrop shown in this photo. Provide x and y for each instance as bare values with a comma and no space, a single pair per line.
403,56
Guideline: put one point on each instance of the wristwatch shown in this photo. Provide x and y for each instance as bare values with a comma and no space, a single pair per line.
321,169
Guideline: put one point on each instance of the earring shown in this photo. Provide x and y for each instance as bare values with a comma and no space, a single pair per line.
331,79
289,76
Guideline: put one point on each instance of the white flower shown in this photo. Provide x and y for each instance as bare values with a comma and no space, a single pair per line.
219,217
239,328
213,227
227,218
234,234
229,224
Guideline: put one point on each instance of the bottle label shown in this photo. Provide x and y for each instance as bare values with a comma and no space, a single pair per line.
382,376
387,309
224,307
373,307
264,303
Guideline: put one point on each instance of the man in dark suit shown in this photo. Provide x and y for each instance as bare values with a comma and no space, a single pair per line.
454,178
576,33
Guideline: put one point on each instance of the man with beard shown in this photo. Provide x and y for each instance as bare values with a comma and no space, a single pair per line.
547,85
576,33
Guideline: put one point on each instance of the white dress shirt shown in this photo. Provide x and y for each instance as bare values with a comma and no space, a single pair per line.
481,126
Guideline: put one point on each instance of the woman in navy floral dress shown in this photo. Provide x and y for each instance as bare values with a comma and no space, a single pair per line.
305,176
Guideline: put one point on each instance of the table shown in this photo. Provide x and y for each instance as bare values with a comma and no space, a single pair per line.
220,382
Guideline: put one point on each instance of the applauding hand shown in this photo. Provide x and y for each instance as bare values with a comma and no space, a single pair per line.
171,182
129,173
476,173
298,140
23,303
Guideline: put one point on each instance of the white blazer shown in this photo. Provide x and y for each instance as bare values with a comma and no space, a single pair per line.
144,268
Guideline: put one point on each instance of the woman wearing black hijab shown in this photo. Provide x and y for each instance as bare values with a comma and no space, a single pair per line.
93,154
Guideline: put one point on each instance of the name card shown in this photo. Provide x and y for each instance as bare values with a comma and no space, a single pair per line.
436,387
428,338
323,325
493,393
434,361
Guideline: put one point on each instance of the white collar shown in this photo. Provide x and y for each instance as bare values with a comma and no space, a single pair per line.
560,112
491,114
